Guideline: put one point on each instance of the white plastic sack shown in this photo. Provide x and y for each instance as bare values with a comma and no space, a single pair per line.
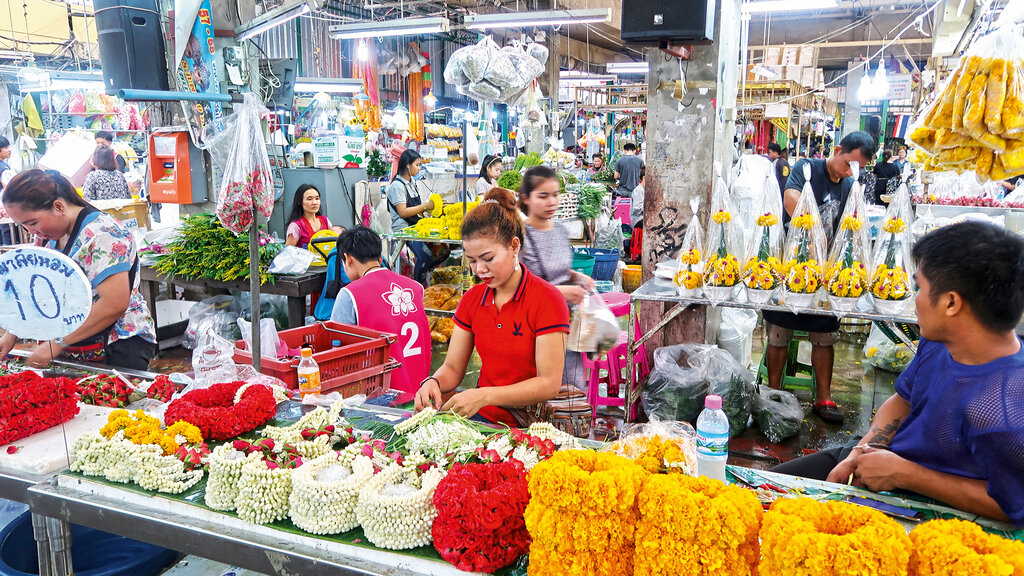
269,339
291,260
736,333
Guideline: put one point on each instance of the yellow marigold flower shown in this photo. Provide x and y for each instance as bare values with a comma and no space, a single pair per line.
721,217
658,454
851,223
805,221
805,536
690,258
189,431
761,275
767,219
722,271
953,547
890,283
688,279
894,225
848,282
803,277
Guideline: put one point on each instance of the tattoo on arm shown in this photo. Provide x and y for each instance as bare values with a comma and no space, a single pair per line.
883,434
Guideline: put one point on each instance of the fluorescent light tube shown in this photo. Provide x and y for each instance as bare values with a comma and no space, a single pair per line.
627,67
538,18
330,85
402,27
274,18
786,5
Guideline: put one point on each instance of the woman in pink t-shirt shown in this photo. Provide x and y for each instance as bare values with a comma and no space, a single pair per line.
306,219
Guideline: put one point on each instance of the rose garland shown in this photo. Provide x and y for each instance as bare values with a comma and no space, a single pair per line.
582,513
479,525
325,492
804,536
396,507
215,413
30,404
225,465
953,547
696,526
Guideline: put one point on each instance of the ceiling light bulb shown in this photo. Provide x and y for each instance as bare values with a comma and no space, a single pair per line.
362,52
880,85
430,100
865,89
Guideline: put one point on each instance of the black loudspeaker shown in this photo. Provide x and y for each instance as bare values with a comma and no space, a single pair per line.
655,21
131,45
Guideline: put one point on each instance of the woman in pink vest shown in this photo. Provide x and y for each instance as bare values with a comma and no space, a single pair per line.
306,219
379,299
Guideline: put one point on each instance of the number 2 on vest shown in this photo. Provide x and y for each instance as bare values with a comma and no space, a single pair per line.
414,332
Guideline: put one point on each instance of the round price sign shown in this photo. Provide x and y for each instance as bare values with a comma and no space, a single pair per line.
43,294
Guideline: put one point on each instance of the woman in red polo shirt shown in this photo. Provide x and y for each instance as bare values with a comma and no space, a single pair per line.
509,318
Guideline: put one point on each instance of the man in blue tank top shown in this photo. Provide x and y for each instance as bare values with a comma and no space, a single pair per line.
954,430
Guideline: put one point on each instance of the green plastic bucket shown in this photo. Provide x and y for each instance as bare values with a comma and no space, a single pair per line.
583,263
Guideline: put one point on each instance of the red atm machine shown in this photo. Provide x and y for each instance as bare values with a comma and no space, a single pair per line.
176,174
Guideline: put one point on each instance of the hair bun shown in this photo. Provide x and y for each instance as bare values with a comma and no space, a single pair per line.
503,196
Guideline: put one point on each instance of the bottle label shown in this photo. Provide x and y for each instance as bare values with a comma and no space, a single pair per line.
309,383
712,444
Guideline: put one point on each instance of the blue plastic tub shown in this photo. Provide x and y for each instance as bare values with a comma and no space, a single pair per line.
93,553
605,262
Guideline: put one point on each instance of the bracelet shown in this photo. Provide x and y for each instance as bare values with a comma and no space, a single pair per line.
431,378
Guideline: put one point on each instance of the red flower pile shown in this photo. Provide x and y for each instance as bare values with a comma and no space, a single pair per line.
162,389
105,390
480,525
214,412
30,404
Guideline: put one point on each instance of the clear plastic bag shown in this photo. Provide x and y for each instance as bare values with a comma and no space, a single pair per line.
884,354
659,446
891,287
849,261
593,328
291,260
216,314
609,234
689,275
805,251
247,185
778,413
723,245
762,272
270,343
213,359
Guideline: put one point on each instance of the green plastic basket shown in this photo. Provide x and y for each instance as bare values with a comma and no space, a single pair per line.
583,263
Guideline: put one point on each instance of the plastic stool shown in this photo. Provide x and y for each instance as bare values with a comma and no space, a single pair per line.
796,375
592,370
617,302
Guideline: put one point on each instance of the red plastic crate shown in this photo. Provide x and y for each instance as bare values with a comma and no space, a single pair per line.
359,366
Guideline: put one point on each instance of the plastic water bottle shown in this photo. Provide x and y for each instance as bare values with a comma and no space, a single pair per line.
712,439
309,374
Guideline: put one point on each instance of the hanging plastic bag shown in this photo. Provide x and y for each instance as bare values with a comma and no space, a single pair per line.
213,359
271,345
722,265
762,272
247,185
884,354
805,251
849,261
689,275
609,234
736,333
291,260
380,219
891,286
216,314
594,328
778,413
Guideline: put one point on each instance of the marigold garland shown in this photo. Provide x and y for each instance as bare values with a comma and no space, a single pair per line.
890,283
722,271
762,274
848,282
807,537
479,525
955,547
582,514
696,526
656,453
141,428
215,413
803,277
688,279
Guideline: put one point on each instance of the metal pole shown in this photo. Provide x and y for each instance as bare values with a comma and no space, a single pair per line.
254,288
59,533
42,545
171,96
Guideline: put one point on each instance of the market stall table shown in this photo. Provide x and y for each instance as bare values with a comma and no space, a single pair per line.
396,243
295,287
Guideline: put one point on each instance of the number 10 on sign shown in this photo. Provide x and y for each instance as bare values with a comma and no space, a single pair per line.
45,295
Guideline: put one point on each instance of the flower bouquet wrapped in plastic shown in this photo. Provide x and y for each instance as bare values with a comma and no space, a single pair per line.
722,268
689,275
849,264
805,251
894,266
762,273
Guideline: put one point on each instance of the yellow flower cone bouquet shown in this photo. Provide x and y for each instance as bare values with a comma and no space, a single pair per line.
762,272
722,268
849,261
805,251
890,285
689,276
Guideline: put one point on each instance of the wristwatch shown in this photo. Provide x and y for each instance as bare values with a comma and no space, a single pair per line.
60,341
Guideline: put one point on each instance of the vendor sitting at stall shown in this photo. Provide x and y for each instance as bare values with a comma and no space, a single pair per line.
510,320
954,429
407,208
118,329
490,169
380,299
306,219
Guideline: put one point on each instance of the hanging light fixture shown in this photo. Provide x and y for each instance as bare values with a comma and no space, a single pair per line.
865,89
880,85
430,100
362,52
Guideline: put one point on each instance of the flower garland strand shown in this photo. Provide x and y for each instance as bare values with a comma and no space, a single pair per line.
225,465
396,507
804,536
216,414
325,492
479,525
954,547
696,526
263,491
31,404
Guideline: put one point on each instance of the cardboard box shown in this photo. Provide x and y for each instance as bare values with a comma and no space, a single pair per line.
809,56
137,212
794,73
819,83
773,56
790,56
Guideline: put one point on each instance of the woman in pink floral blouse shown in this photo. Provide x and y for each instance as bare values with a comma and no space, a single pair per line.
119,329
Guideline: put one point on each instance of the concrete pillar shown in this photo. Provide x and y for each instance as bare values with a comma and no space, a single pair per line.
851,117
683,139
